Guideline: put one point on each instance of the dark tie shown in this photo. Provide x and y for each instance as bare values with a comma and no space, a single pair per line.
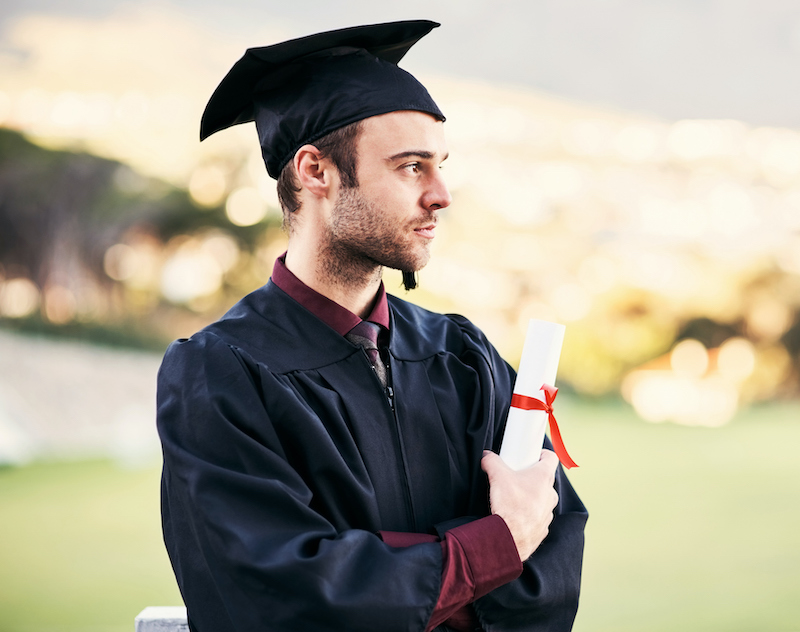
365,335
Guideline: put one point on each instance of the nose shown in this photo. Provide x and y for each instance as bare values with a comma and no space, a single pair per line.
437,195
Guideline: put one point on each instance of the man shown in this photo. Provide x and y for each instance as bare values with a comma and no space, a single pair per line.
327,447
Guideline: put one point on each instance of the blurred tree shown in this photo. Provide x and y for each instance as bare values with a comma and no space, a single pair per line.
708,331
61,211
791,340
59,208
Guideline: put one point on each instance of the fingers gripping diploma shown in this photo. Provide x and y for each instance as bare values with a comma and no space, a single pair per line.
525,498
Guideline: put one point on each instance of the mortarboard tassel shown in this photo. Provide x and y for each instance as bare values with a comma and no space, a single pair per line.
409,280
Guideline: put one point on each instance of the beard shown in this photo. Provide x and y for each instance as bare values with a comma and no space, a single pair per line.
360,241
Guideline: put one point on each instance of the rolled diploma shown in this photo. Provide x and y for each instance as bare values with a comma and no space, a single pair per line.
524,435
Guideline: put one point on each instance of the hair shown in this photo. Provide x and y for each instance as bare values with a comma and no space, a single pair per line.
340,147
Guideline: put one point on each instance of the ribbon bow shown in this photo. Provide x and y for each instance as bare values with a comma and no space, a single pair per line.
524,402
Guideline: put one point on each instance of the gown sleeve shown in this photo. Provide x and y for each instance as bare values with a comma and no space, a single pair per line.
248,549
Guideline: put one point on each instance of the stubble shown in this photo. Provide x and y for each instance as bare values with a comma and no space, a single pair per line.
360,241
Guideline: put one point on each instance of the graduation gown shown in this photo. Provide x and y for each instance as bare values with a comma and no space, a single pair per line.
283,458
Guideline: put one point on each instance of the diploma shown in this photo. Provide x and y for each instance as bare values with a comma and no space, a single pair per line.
532,402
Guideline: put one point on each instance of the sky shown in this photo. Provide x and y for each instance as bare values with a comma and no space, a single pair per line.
719,59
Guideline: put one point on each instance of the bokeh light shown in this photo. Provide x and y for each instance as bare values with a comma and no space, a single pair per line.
60,304
689,358
737,359
190,272
245,207
208,185
18,298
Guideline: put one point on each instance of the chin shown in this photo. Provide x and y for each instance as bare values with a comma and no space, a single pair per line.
409,264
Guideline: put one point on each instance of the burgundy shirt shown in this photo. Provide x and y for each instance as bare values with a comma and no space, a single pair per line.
476,557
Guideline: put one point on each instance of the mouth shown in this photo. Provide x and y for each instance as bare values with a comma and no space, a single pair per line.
428,231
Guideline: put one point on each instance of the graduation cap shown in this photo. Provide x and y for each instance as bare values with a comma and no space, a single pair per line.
300,90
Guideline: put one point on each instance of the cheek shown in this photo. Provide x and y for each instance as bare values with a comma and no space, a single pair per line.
399,202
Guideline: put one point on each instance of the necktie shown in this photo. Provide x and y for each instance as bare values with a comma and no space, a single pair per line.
365,335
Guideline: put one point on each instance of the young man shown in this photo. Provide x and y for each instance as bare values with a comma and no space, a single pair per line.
328,457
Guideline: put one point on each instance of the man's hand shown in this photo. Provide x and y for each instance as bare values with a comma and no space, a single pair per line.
525,499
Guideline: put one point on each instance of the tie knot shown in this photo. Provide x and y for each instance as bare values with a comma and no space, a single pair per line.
365,334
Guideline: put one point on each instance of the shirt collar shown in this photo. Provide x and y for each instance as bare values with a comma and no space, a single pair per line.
338,318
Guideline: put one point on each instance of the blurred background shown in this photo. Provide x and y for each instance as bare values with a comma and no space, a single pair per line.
630,169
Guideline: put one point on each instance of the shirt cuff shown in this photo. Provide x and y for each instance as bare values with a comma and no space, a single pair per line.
489,550
400,539
477,557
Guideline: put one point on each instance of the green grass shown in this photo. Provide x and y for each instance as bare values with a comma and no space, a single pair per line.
80,548
691,529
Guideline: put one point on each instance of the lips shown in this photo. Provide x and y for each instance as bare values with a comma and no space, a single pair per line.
427,231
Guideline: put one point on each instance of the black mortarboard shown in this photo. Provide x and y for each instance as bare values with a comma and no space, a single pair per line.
301,90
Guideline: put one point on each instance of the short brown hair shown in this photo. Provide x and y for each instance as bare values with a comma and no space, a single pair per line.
340,147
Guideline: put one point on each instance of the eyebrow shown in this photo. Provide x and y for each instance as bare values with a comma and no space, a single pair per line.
415,153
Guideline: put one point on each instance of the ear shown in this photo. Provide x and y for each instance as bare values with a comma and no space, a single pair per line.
315,173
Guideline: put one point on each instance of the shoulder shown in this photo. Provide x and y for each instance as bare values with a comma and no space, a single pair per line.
268,330
418,332
204,358
224,345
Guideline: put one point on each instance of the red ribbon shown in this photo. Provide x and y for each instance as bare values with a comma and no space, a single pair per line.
524,402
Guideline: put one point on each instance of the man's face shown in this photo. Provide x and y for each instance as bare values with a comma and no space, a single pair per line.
389,219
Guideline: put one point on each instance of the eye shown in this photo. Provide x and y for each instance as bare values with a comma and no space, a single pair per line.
413,167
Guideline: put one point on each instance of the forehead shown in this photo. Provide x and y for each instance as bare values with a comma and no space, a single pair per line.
403,131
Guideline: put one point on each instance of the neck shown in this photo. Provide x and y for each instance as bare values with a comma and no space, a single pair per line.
353,284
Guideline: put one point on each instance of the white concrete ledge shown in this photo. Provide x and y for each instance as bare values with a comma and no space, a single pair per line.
162,619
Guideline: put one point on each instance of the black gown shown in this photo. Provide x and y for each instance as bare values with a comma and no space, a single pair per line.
283,458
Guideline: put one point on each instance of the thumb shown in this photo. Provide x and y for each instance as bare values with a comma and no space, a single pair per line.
549,458
492,464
